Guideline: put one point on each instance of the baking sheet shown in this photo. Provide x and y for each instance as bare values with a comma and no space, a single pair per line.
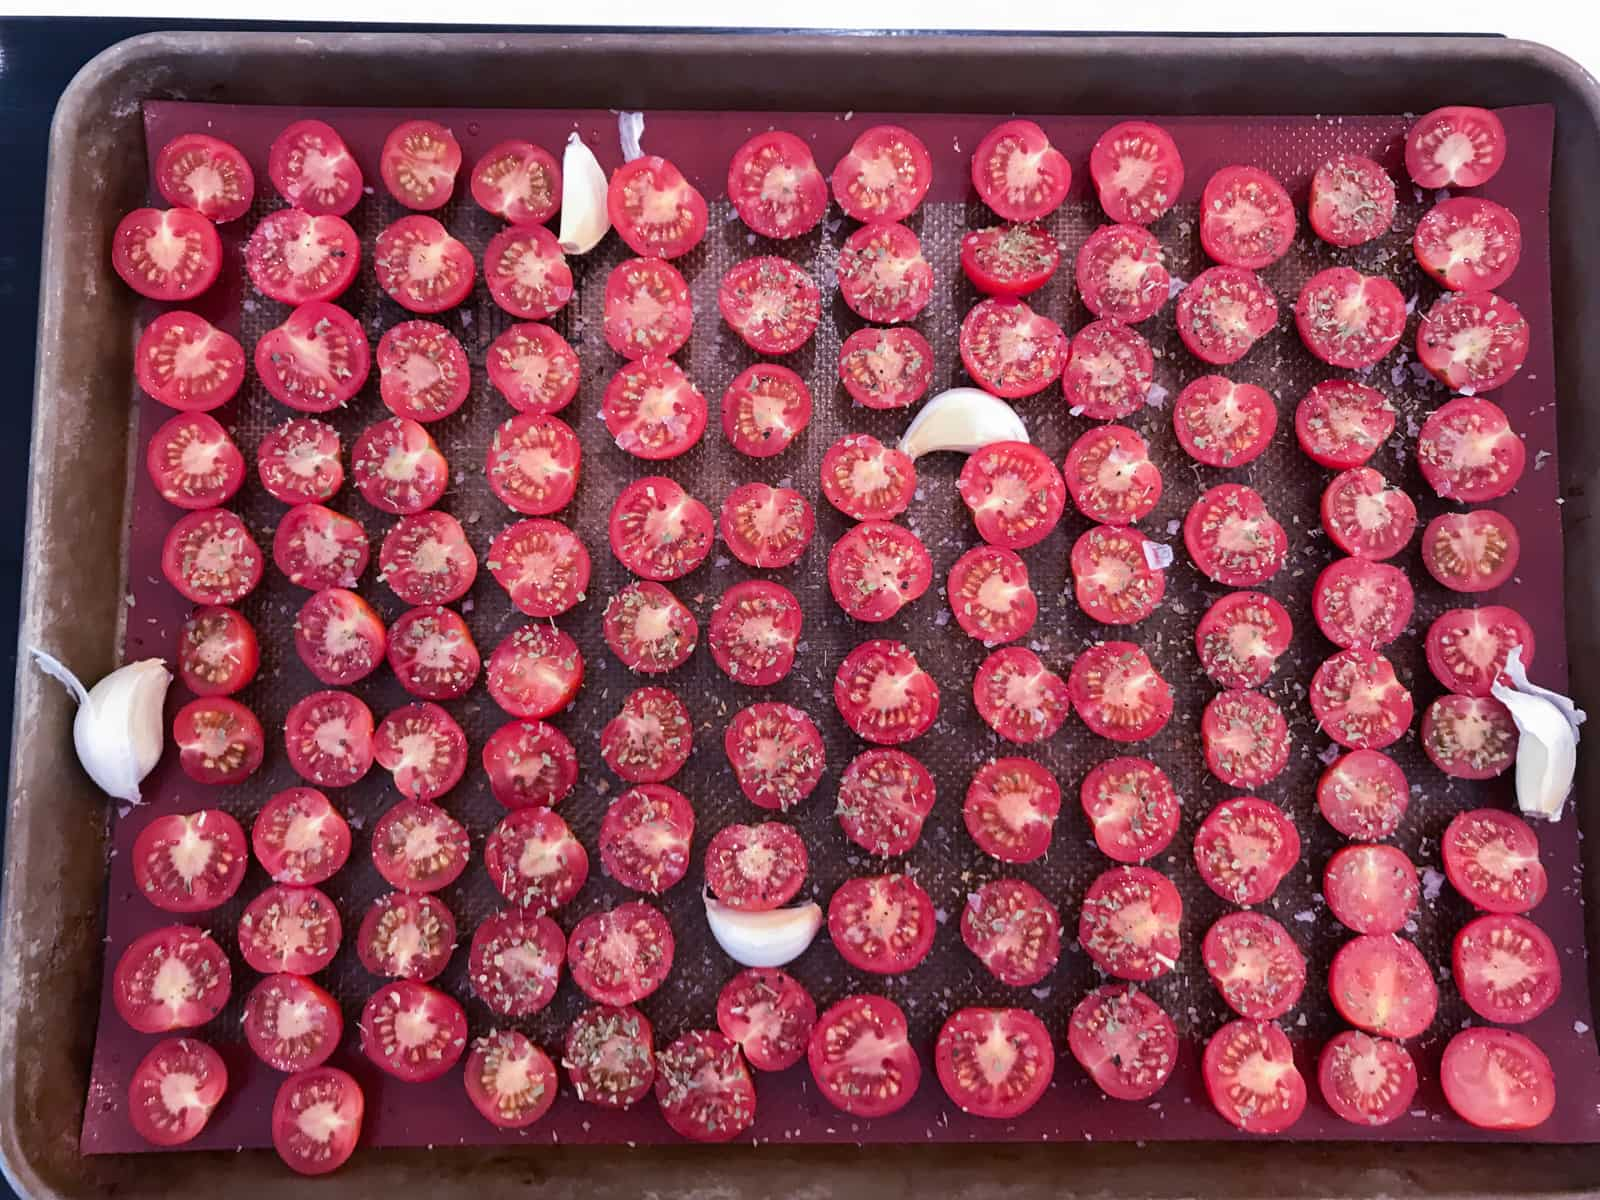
946,862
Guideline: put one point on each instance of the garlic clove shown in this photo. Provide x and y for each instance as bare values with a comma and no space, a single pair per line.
119,729
584,219
763,939
1547,744
964,419
630,129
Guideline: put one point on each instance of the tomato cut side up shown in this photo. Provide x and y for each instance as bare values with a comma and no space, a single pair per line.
756,868
423,372
518,182
1010,350
529,763
1110,477
339,637
1352,200
421,267
882,924
289,928
883,693
291,1023
1241,637
876,569
1371,889
1469,452
187,363
1224,424
1497,1079
1359,702
989,594
649,628
1383,985
412,1031
1129,923
210,557
1011,808
217,651
1018,696
1223,312
432,653
771,303
418,847
173,1090
316,1120
1124,1040
885,368
328,738
1120,274
1013,930
423,748
1117,692
293,257
770,1015
1467,244
644,838
1471,552
1348,319
1507,968
1018,173
406,935
1132,808
754,631
1467,648
1341,423
298,462
316,361
1469,737
298,837
419,164
864,479
621,955
219,740
654,209
514,964
884,176
766,526
534,368
527,273
426,559
650,738
1232,538
994,1062
777,189
1137,171
534,464
398,467
1115,577
1244,848
658,531
1251,1078
1255,965
166,254
543,566
1009,260
312,168
508,1079
1363,795
1109,371
207,174
318,548
609,1056
776,754
1014,492
1359,603
647,308
884,798
883,276
1245,738
535,671
174,977
1473,342
652,410
1365,1080
861,1057
1492,858
1367,516
535,861
1246,218
190,862
1455,146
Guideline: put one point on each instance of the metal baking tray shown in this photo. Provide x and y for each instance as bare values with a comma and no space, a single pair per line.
55,875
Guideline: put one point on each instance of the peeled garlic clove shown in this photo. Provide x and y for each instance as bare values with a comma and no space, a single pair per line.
1547,744
763,939
964,419
584,220
118,731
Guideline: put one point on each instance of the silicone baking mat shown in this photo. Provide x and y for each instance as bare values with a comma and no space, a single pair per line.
946,861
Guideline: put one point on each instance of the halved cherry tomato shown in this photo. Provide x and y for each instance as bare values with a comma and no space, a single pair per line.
508,1079
328,738
1014,492
1245,737
644,838
1018,173
426,559
529,763
883,693
1108,373
1455,146
174,977
412,1031
534,859
1367,1081
1255,964
514,964
1251,1077
1014,931
649,739
776,187
649,628
299,461
1467,244
1110,476
609,1056
190,862
994,1062
1358,702
861,1056
1224,424
1129,923
1352,200
1120,274
647,308
298,837
1232,538
317,360
1241,637
534,368
1349,319
219,740
756,867
764,409
166,254
989,595
1473,342
654,209
771,303
543,566
1010,350
770,1015
864,479
527,273
422,268
406,935
658,531
534,463
1136,171
318,548
1492,858
754,630
1117,692
883,276
621,955
884,798
432,653
1363,795
1371,889
1383,985
1497,1079
1115,579
1011,808
885,368
1469,452
535,671
1009,260
518,182
187,363
1341,423
291,1023
423,748
1246,218
877,568
1124,1040
210,557
1018,696
883,924
1506,967
289,928
776,754
1223,312
1244,848
217,652
175,1087
339,637
423,371
703,1087
316,1120
313,169
884,176
1367,516
1361,603
652,410
1132,808
1469,737
207,174
293,257
419,164
766,526
1471,552
1467,648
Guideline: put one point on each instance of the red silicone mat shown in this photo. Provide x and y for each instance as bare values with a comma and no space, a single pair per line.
945,860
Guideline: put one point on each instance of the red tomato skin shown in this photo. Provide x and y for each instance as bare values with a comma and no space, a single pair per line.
895,201
1465,1071
318,1085
1407,1009
1442,129
1269,1041
805,198
965,1033
1335,1067
991,177
889,1082
145,274
419,164
221,161
1157,176
148,1111
334,188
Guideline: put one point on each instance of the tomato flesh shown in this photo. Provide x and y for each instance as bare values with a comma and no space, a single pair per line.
518,182
883,693
609,1056
406,935
1009,260
207,174
535,861
776,754
1359,603
535,671
647,309
1367,516
1371,889
1124,1040
1492,858
1011,808
864,479
1232,538
1506,967
1473,342
1255,965
1251,1077
1224,424
298,837
187,363
658,531
649,628
412,1031
316,1120
621,955
1383,985
766,526
1109,371
419,164
883,276
861,1056
426,559
1013,930
771,303
1358,701
423,748
1244,848
754,631
174,977
1120,274
423,372
1341,423
298,462
218,652
884,175
1246,218
421,267
210,557
1110,476
166,254
649,739
1467,244
534,368
1245,738
1014,492
432,653
1019,697
293,257
1241,637
1114,576
1455,146
174,1089
886,368
317,360
190,862
1471,552
1129,923
418,847
1010,350
1352,200
756,868
534,464
1348,319
654,209
1469,737
652,410
1365,1080
527,273
289,928
776,187
884,798
770,1015
1467,648
1223,312
876,569
514,964
219,740
1132,808
1117,692
543,566
508,1079
1468,451
529,763
994,1062
882,924
989,594
312,168
1363,795
1137,171
1497,1079
644,838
